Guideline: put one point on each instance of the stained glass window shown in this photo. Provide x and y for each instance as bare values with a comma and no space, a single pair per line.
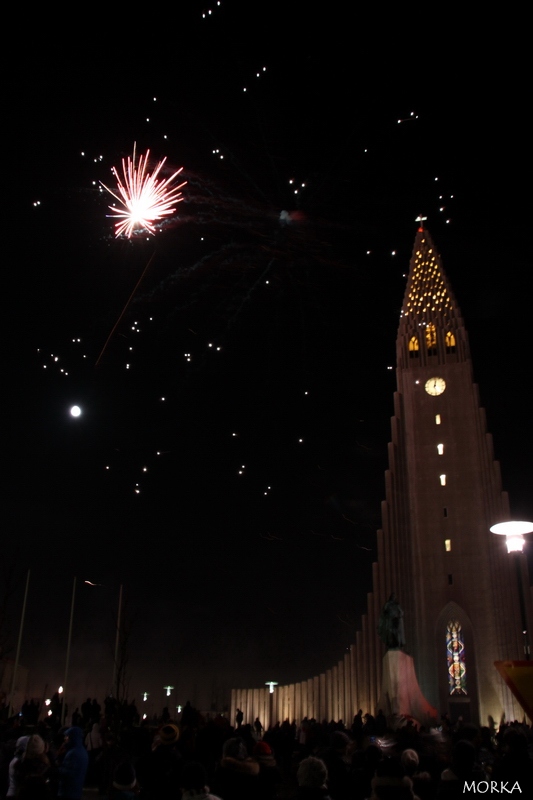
455,647
413,346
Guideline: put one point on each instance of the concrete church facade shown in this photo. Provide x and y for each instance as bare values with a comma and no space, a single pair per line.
453,578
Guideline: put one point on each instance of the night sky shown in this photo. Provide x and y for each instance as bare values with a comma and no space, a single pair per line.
230,477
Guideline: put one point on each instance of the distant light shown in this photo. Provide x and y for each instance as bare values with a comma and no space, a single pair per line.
60,690
75,411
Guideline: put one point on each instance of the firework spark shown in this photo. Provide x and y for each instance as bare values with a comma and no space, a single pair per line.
145,198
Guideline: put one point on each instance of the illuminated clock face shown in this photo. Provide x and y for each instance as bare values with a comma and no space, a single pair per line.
435,386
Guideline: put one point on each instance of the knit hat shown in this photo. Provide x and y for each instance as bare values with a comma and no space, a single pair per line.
262,749
169,734
312,773
35,746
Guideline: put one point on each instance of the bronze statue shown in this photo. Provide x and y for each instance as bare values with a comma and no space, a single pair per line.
390,628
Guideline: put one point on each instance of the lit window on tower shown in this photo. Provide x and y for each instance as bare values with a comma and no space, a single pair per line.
450,342
413,347
440,449
431,339
437,419
442,479
448,545
455,651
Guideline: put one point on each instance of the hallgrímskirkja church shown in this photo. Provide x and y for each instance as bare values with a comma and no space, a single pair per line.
454,579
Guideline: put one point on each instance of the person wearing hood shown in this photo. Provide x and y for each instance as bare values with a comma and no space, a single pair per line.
20,749
73,766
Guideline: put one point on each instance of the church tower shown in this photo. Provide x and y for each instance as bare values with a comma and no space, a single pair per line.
453,578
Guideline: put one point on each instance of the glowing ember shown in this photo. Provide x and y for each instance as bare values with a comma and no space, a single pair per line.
144,198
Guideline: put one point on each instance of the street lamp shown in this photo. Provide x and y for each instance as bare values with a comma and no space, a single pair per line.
270,685
514,531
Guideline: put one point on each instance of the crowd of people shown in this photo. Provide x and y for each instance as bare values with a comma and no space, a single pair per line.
201,757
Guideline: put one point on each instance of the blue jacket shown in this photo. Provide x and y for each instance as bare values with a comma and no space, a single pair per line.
74,766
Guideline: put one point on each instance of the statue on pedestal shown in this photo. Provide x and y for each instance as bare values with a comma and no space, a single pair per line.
390,628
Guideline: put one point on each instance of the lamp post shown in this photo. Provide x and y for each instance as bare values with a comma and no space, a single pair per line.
514,531
271,685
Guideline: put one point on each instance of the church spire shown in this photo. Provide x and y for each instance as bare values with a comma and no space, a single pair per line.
431,327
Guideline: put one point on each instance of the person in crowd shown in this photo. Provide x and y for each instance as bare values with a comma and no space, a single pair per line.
93,745
124,786
270,777
159,771
337,758
193,783
20,749
389,782
463,768
312,779
515,763
73,767
111,756
237,775
34,771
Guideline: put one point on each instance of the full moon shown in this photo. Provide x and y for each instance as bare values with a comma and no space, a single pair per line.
75,411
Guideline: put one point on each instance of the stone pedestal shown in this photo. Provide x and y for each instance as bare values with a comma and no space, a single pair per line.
400,692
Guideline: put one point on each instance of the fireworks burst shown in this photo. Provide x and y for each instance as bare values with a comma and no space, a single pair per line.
144,198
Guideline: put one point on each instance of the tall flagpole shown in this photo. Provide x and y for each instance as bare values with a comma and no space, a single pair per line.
15,666
64,705
117,644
